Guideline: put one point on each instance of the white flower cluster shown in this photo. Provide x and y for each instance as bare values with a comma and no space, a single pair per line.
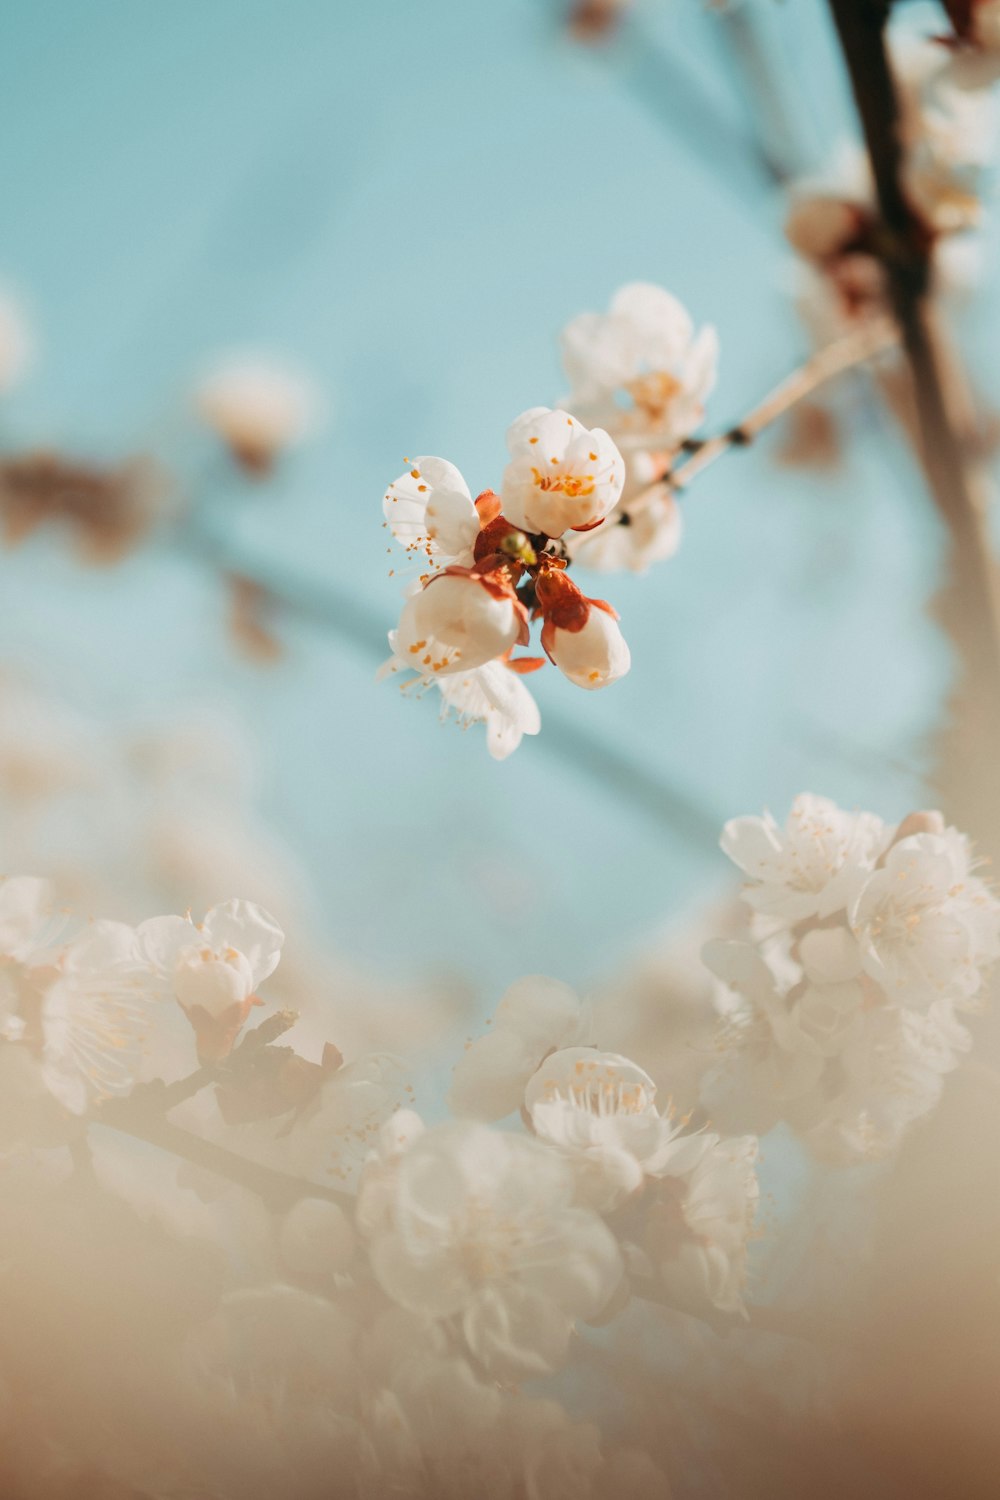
866,941
570,492
642,371
79,1002
681,1202
494,563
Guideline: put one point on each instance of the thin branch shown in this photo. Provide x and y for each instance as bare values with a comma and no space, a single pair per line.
278,1190
846,353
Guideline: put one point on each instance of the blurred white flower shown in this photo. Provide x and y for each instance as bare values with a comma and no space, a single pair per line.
812,866
213,967
869,936
26,916
258,406
641,531
15,343
600,1109
95,1017
640,369
700,1222
483,1230
926,925
561,476
535,1017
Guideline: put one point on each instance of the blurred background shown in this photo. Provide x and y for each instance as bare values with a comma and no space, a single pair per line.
408,202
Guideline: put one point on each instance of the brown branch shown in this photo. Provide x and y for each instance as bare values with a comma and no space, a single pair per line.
278,1190
969,605
142,1115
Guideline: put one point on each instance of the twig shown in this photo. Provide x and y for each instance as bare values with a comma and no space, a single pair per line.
843,354
278,1190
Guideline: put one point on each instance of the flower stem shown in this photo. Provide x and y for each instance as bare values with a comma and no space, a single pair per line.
843,354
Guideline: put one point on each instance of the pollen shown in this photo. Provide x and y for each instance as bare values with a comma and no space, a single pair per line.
571,485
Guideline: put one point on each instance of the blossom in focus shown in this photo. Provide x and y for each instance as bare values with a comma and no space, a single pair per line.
460,619
561,476
580,635
493,694
431,513
483,1231
536,1016
640,368
213,967
259,407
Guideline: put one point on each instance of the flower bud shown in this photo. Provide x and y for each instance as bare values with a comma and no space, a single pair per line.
581,635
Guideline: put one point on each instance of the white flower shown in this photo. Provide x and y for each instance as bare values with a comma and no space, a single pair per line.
213,968
495,695
600,1109
258,406
643,351
593,656
431,513
637,534
26,914
811,867
535,1017
700,1225
483,1231
561,476
926,925
15,343
95,1017
458,620
316,1238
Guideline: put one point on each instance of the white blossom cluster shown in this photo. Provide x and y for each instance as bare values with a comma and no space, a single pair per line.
470,1257
867,943
574,489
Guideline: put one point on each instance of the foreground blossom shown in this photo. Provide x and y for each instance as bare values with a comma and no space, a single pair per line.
867,939
536,1016
213,967
481,1229
600,1109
